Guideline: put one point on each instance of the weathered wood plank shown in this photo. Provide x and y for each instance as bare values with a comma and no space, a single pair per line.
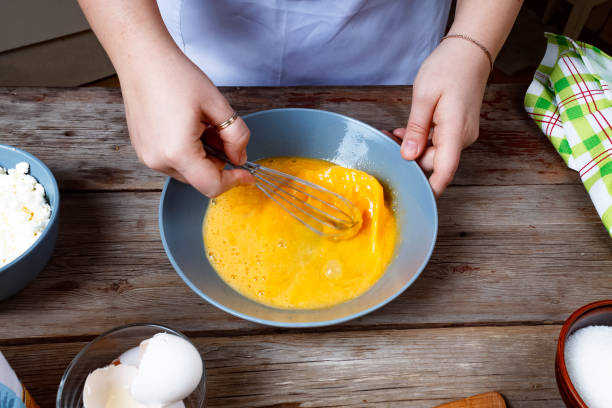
525,249
81,133
399,368
504,255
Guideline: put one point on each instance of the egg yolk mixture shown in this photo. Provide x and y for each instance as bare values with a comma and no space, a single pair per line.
265,254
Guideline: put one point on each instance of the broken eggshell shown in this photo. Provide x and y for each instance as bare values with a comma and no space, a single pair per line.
160,373
130,357
170,370
110,387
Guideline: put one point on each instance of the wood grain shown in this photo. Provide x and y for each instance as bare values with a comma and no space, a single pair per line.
87,126
406,368
503,256
520,247
487,400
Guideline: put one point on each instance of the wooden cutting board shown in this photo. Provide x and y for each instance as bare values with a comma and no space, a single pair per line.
488,400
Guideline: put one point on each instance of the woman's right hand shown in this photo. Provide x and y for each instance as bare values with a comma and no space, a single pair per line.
168,100
168,104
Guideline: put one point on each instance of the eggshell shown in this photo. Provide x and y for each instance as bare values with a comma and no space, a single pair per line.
109,387
131,357
179,404
170,369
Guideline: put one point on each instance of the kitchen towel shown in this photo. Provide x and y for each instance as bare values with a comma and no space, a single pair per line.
571,101
12,393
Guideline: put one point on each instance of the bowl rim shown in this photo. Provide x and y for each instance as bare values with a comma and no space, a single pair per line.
54,206
563,335
306,324
85,348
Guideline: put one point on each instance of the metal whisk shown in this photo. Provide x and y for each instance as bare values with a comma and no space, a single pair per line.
322,211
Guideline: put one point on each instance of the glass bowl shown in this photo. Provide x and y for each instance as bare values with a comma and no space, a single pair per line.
105,348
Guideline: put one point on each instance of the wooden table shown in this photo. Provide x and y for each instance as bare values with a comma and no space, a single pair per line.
520,247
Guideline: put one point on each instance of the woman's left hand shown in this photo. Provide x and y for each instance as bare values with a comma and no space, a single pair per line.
445,112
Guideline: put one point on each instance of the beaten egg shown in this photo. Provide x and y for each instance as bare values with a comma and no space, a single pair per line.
265,254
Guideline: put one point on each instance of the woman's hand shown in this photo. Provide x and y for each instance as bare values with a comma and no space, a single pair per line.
168,100
444,116
168,103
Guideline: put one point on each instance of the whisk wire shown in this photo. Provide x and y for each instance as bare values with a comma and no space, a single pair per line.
347,217
328,219
270,195
292,193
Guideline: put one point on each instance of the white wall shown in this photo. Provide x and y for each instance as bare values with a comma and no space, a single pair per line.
48,43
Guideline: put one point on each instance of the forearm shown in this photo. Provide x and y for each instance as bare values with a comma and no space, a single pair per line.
131,31
487,21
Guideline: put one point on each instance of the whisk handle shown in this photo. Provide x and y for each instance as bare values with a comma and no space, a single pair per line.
216,153
250,167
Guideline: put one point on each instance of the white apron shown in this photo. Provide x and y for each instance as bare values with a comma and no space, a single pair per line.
307,42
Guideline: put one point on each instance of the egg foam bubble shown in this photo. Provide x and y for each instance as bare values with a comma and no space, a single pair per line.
265,254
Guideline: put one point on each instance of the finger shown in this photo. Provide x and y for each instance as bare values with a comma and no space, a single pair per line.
211,182
391,136
220,164
207,178
234,137
445,162
419,123
427,159
399,132
212,138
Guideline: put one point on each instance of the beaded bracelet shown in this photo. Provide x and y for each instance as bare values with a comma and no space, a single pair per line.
473,41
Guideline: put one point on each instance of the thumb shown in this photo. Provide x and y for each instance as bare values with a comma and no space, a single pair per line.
417,131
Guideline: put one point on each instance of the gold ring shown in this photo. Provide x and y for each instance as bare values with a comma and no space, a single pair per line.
227,123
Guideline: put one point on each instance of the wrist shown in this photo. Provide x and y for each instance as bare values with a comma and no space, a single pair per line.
141,56
466,57
477,43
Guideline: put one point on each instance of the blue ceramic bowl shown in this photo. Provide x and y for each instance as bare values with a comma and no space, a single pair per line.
328,136
15,275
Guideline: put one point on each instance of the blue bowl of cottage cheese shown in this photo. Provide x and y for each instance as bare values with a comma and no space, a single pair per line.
29,214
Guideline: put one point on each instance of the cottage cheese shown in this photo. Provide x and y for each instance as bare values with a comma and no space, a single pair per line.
24,211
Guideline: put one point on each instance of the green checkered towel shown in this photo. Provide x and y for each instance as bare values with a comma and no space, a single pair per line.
571,101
